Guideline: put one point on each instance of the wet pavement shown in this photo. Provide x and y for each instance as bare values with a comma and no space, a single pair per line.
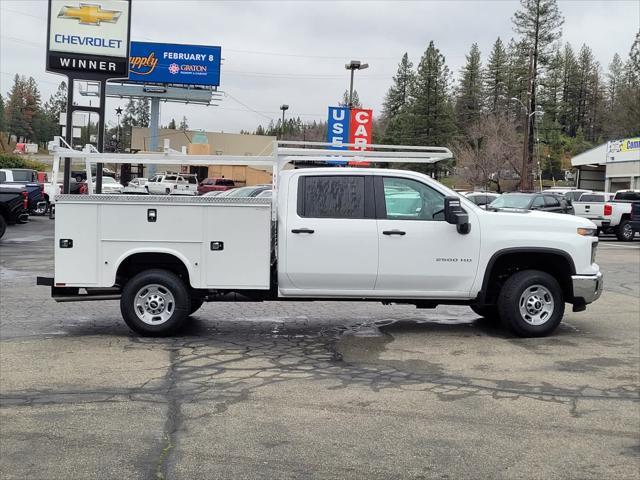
313,390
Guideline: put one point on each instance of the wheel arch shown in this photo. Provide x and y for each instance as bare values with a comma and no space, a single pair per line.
135,261
505,262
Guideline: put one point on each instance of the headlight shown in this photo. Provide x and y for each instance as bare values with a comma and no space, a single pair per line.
586,232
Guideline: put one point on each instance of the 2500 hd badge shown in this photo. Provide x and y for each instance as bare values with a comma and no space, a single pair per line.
454,260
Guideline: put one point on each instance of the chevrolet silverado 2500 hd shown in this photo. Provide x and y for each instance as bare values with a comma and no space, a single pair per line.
392,236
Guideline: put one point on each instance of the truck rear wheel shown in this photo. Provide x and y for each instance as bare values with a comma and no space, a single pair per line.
155,303
3,226
624,231
531,303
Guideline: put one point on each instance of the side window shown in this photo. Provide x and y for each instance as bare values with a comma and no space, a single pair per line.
3,177
337,196
538,202
551,201
407,199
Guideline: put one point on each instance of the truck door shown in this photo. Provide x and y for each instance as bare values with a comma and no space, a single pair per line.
330,233
420,253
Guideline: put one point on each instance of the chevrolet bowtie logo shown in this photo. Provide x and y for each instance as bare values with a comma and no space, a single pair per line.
89,14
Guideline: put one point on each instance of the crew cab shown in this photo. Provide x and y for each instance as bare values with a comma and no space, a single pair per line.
611,213
389,236
24,179
168,183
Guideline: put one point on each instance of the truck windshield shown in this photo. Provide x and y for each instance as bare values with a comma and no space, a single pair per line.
511,201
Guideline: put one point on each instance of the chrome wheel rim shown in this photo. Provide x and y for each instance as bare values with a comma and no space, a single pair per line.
536,305
154,304
627,232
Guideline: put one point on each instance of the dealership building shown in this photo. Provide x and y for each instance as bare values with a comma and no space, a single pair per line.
609,167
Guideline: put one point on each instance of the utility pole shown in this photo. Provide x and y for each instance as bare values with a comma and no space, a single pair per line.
284,108
530,135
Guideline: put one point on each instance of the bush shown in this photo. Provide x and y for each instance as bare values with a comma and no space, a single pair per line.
15,161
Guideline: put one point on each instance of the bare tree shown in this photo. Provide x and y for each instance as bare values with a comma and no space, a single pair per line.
490,155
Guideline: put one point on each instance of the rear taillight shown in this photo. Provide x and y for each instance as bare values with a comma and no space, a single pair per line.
25,200
41,191
608,209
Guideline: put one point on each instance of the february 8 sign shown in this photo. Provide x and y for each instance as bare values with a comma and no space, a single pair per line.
171,63
349,126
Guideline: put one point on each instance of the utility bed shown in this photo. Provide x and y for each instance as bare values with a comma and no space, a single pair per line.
223,242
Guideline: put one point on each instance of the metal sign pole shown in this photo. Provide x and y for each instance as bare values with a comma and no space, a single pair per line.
68,136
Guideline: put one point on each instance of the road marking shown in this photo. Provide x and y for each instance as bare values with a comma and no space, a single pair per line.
632,247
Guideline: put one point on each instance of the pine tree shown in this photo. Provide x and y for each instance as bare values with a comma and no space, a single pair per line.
539,23
517,76
631,92
433,122
469,94
397,97
551,89
172,124
16,124
570,87
184,125
495,78
143,112
3,123
355,100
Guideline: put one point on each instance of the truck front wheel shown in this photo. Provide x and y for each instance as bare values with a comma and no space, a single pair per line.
155,303
531,303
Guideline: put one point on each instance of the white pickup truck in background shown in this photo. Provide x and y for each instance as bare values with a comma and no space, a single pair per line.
611,213
172,183
390,236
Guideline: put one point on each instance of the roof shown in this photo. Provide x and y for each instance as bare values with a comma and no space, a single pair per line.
595,156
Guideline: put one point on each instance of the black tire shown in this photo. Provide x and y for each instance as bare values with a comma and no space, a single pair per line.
178,309
624,232
513,292
168,191
196,303
3,226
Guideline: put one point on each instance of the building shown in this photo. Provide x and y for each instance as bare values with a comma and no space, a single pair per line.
610,167
218,144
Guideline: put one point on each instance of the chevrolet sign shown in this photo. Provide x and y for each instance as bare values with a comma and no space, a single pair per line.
89,36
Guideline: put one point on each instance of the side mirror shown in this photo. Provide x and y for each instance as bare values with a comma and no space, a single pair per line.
455,215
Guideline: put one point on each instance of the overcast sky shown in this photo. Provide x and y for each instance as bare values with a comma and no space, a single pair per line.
294,52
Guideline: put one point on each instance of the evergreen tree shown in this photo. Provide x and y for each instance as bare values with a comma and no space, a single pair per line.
469,94
495,78
15,118
631,106
172,124
570,86
539,23
431,105
551,89
143,112
397,97
355,101
184,125
517,76
3,123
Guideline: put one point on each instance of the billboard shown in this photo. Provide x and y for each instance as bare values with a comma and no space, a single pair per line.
360,128
172,63
91,38
338,127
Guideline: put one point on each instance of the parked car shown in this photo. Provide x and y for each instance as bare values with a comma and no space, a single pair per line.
215,184
592,205
13,207
250,191
571,194
265,194
81,175
613,215
136,186
109,185
215,193
482,199
23,178
545,202
165,183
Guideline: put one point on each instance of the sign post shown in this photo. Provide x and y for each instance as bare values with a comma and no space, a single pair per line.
88,41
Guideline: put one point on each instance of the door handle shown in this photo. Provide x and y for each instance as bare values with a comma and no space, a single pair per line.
393,232
302,230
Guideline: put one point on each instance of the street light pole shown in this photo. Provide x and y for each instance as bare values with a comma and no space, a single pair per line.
284,108
353,66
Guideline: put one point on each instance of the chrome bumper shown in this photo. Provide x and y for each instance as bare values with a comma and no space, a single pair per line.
587,288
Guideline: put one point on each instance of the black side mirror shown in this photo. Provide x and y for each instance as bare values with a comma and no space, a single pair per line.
455,215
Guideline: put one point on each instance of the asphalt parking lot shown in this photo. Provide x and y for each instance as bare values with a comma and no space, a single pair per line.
313,390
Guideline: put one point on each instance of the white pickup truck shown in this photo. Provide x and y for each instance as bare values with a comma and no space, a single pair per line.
171,184
611,213
390,236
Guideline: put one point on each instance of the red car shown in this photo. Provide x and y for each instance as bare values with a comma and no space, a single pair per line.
215,184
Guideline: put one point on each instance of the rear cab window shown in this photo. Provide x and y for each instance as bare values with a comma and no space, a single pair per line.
335,196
